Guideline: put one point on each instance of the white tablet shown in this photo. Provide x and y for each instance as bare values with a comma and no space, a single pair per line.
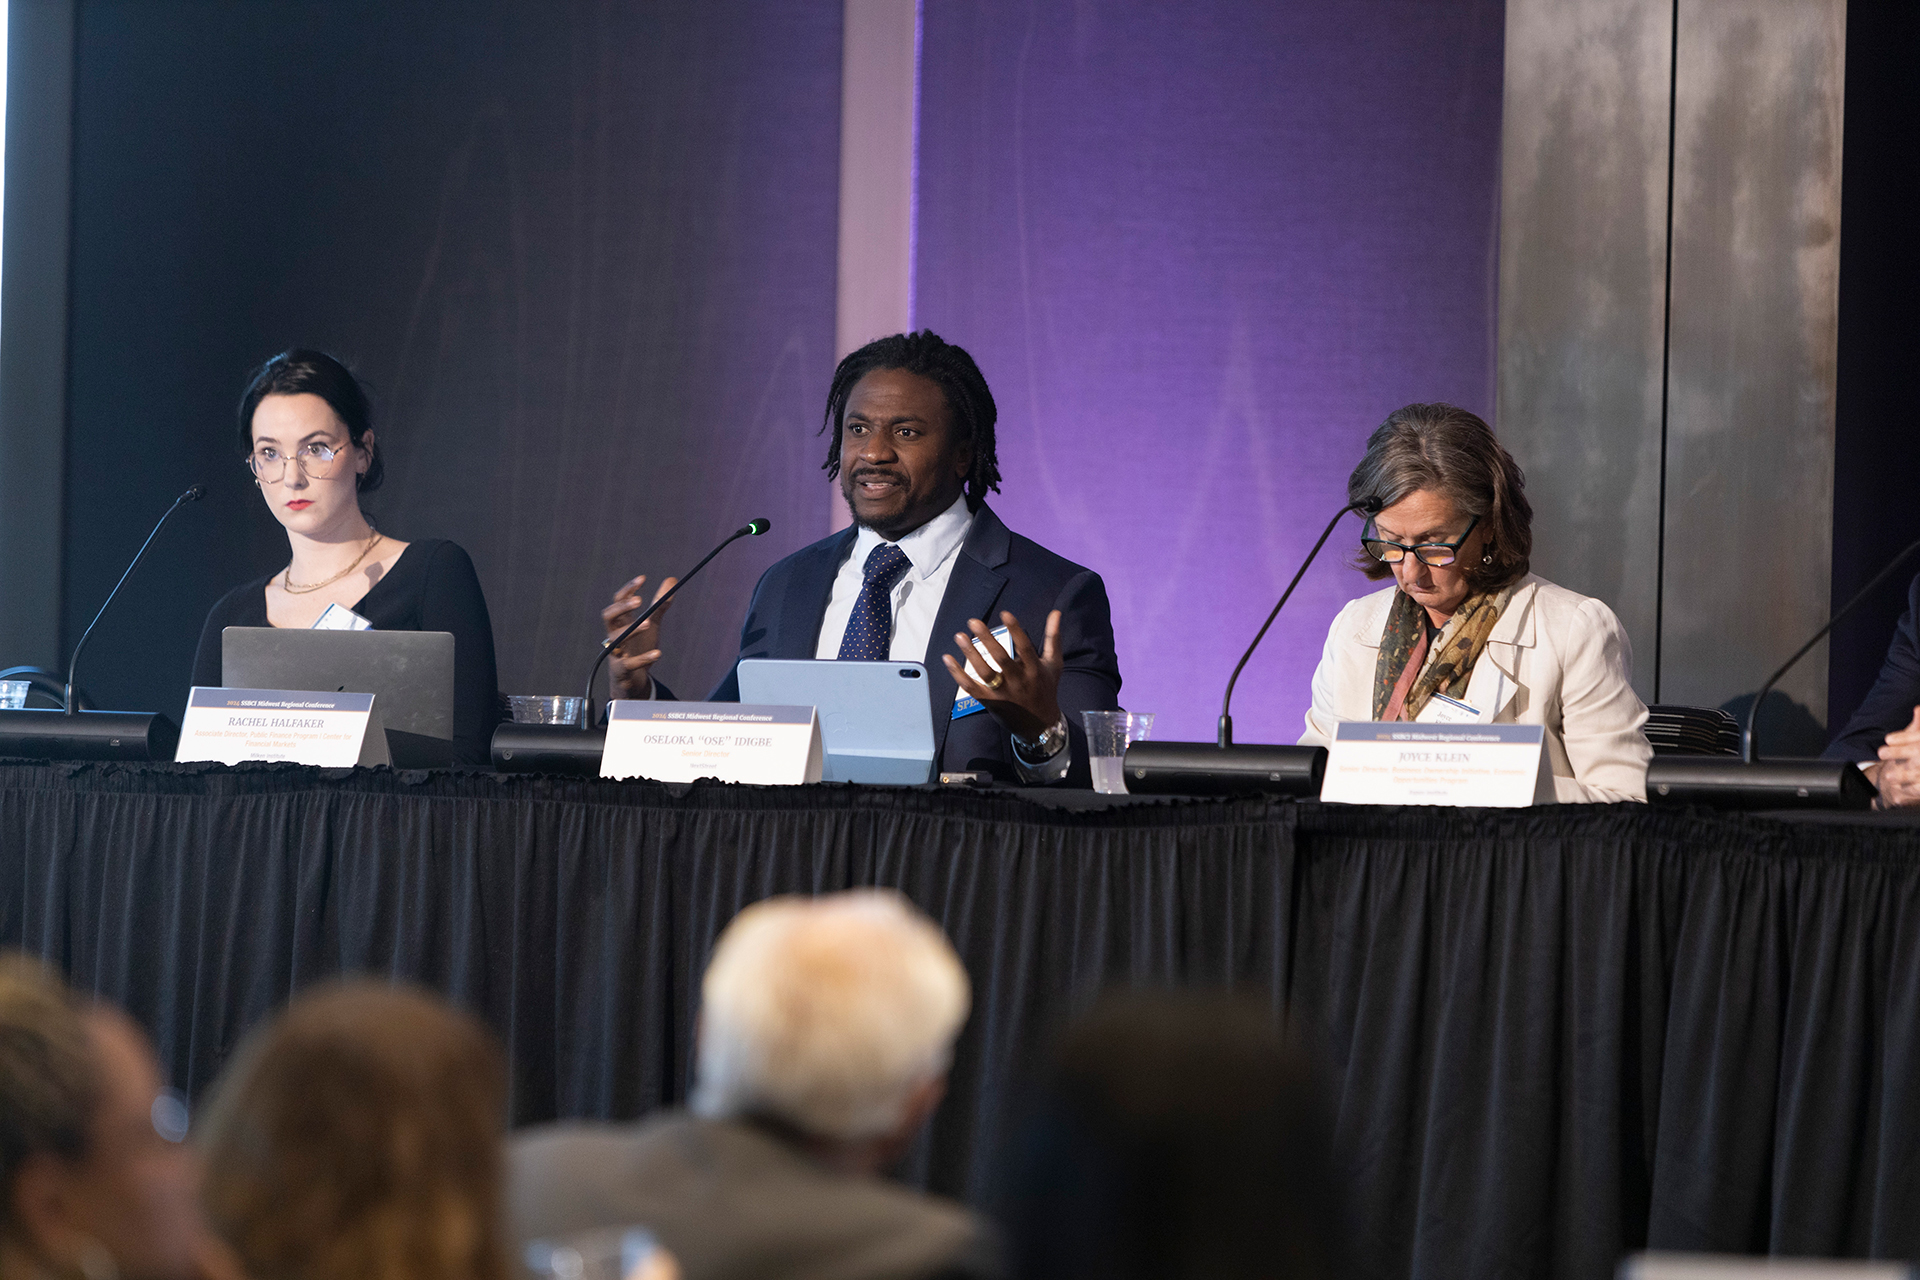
876,718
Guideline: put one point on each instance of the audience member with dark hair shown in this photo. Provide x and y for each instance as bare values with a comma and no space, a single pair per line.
358,1137
306,431
1174,1137
826,1027
89,1186
927,573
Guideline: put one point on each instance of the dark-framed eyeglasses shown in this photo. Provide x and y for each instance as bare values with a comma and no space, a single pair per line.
1436,555
314,458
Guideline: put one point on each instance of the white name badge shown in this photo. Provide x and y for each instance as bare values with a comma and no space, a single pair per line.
336,730
340,618
734,742
1498,765
1441,709
964,703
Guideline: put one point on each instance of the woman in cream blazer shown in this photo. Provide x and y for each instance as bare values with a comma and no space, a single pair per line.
1466,623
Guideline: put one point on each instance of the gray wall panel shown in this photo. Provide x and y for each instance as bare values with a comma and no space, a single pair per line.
1756,260
1582,293
33,329
1675,414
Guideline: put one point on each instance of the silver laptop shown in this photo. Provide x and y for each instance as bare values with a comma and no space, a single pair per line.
410,674
876,718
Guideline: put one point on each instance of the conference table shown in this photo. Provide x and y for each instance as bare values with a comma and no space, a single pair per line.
1549,1036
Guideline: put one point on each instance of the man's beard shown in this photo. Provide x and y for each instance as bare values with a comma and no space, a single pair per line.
891,528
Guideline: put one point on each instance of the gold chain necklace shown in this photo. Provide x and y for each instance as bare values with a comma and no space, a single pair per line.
286,579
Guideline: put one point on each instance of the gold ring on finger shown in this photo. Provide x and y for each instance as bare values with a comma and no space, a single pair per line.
995,681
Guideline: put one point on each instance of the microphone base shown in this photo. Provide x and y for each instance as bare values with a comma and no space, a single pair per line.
36,734
548,748
1204,769
1726,782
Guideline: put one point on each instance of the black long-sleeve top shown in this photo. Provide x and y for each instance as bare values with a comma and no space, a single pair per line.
431,587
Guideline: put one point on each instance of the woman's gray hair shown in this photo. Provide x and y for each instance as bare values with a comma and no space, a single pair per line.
1449,451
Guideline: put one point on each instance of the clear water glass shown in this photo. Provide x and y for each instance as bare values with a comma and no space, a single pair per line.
1108,733
538,709
13,694
609,1253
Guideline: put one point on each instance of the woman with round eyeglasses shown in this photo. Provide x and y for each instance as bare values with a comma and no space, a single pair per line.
1465,633
306,430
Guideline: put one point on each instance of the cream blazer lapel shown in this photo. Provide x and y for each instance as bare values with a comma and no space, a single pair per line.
1497,676
1370,623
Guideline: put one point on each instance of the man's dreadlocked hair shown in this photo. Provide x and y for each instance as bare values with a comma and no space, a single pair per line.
969,403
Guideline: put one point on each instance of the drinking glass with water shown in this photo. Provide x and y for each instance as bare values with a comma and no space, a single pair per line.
1108,733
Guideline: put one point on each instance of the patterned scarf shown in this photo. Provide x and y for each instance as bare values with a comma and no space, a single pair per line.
1450,657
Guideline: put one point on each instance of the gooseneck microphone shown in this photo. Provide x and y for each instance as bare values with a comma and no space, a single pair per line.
1748,750
193,494
68,733
752,529
1367,507
1222,767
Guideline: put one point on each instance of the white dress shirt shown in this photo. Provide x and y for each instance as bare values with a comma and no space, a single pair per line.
931,551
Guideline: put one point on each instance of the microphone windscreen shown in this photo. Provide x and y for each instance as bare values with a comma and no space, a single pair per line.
194,494
758,527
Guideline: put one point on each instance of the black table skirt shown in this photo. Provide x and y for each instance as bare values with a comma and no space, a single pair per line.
1552,1035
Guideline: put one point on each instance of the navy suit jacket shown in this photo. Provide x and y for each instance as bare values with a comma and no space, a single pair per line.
1889,704
995,569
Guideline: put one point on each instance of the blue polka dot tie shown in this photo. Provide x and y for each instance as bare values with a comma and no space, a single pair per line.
870,629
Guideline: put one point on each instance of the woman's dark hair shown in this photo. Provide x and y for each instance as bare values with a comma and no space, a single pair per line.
315,373
970,405
1449,451
360,1134
1177,1136
49,1082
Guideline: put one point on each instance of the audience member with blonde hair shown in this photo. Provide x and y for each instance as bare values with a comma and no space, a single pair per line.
826,1030
358,1137
89,1185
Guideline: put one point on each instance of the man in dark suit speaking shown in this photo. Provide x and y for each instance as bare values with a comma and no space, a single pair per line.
925,563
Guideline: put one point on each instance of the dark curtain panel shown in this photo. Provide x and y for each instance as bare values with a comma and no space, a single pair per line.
1875,468
1551,1036
583,251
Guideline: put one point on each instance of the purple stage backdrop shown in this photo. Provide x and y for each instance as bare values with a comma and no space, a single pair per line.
1200,251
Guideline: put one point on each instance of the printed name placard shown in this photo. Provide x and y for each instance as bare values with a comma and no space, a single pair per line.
337,730
1499,765
734,742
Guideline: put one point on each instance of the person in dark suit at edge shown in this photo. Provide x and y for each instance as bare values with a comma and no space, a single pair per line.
1884,733
913,449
